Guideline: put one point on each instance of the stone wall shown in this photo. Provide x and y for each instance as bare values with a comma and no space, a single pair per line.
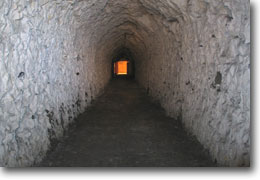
215,78
191,56
45,76
202,73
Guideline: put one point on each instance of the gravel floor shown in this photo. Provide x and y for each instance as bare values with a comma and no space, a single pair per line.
124,128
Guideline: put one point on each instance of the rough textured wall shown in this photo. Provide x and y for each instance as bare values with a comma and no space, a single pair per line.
215,78
158,71
45,76
202,72
190,55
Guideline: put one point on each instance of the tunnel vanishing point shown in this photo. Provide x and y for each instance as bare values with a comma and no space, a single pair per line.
191,56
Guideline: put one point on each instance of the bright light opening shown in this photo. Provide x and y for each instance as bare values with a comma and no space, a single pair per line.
120,67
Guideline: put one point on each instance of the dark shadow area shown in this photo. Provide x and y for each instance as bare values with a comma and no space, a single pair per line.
124,128
123,54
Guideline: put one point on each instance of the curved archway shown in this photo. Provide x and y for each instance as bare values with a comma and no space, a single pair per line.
124,60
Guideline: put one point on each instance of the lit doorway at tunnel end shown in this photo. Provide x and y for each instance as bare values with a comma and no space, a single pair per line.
123,68
120,67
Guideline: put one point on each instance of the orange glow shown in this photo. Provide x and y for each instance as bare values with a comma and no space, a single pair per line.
120,67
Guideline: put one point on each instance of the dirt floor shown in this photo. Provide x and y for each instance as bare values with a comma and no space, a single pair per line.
124,128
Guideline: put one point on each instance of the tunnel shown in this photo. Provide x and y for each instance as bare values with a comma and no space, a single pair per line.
123,64
192,57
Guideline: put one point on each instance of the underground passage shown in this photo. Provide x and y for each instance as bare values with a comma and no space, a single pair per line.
125,83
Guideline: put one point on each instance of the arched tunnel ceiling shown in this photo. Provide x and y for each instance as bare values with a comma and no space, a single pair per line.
134,24
193,56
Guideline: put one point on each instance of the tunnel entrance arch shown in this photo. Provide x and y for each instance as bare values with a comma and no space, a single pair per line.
123,68
123,64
